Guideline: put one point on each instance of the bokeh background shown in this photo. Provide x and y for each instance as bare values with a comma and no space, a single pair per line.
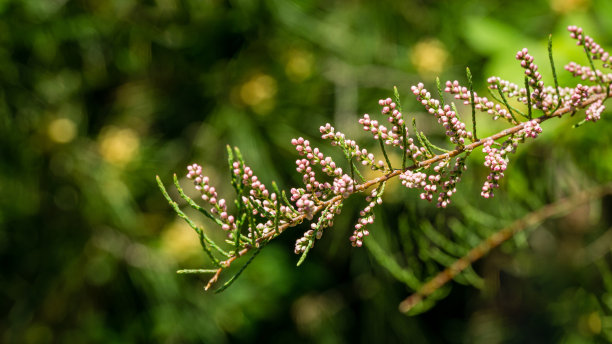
98,97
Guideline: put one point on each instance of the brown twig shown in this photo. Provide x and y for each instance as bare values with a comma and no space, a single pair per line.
531,219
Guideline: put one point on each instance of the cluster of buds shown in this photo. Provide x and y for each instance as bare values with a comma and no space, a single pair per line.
326,219
344,186
372,126
597,52
391,136
455,129
531,129
480,103
304,202
315,157
535,79
264,203
366,217
209,194
442,181
379,131
593,113
579,94
413,180
586,73
394,117
495,161
508,88
350,147
448,186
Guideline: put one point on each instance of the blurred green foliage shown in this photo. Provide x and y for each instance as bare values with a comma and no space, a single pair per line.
96,97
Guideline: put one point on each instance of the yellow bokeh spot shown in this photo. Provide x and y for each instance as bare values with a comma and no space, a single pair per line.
259,92
62,130
118,145
299,65
566,6
180,242
429,57
594,323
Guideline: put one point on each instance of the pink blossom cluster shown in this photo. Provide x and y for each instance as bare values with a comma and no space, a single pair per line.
460,92
374,127
495,161
394,117
316,229
448,186
379,131
507,87
309,177
593,112
305,198
428,183
531,129
586,73
597,52
344,186
579,94
338,139
415,152
258,189
366,217
263,228
302,243
209,194
442,181
535,79
315,156
413,180
304,202
431,187
480,103
263,202
455,129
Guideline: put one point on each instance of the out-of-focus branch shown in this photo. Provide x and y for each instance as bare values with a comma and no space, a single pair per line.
532,219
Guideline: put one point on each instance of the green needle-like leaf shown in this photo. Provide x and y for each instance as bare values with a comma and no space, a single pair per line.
196,271
233,278
471,88
528,95
193,204
554,73
440,94
382,147
203,238
503,97
431,146
384,259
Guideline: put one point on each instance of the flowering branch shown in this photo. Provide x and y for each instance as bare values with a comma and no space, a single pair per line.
261,214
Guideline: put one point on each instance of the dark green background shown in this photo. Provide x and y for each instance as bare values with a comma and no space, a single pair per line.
97,97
